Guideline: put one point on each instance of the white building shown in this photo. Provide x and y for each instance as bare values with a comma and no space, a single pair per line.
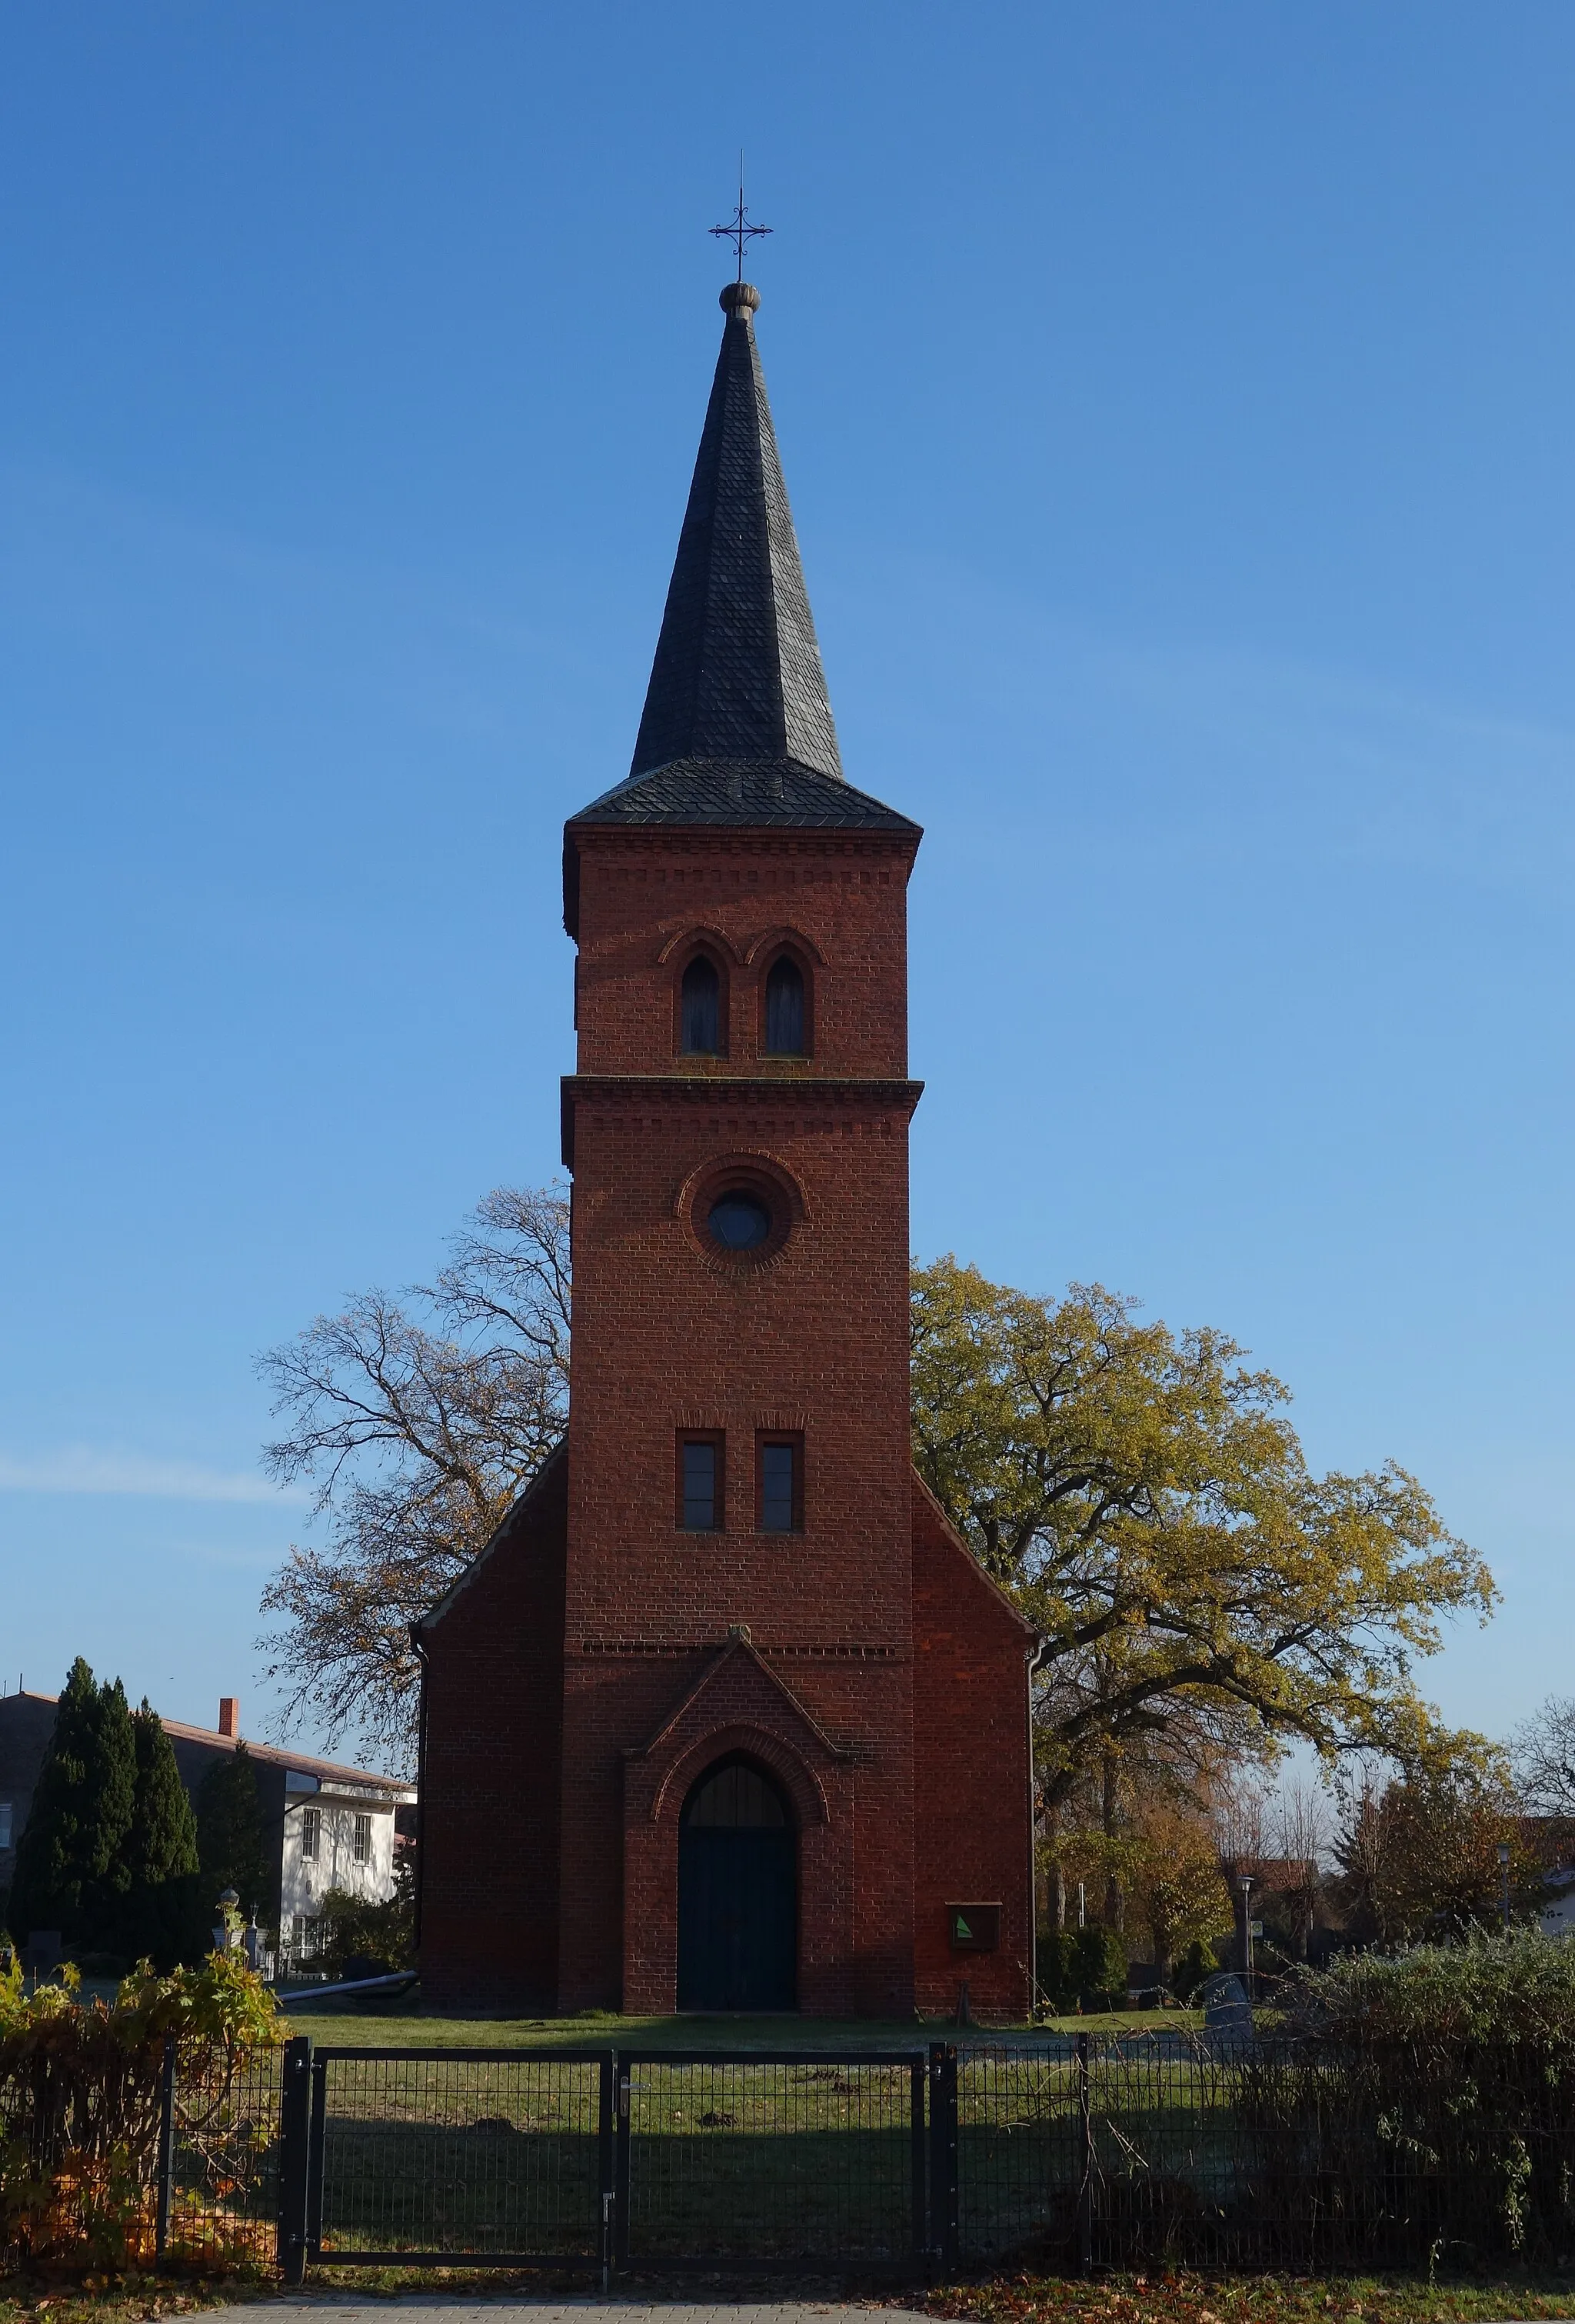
1557,1917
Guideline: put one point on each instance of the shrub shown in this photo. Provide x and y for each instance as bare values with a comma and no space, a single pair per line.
79,2099
1083,1968
1457,2060
1199,1961
365,1938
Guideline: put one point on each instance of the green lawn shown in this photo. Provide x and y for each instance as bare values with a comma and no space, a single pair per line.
377,2025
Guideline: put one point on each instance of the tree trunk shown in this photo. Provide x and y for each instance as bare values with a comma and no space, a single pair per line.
1115,1908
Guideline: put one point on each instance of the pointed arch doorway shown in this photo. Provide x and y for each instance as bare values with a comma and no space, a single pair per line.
738,1892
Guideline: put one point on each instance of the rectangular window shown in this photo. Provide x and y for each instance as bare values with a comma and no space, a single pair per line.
779,1483
361,1846
700,1481
4,1823
311,1825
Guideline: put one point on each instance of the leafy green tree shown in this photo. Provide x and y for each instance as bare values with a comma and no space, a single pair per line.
164,1916
70,1868
1420,1854
1146,1501
229,1833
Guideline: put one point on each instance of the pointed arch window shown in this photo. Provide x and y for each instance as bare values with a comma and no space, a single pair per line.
784,1009
700,1010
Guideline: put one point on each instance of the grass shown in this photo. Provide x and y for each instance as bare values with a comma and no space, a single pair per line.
1012,2299
1187,2299
377,2025
48,2299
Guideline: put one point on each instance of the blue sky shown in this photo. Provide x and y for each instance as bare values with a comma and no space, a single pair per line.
1176,403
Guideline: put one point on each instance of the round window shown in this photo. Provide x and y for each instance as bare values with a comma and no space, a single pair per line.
739,1220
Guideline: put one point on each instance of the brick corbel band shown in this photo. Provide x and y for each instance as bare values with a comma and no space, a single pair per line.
781,1095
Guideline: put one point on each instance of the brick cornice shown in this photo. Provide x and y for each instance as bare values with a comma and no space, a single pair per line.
741,839
752,1090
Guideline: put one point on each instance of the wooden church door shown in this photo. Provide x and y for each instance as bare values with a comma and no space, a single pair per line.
738,1893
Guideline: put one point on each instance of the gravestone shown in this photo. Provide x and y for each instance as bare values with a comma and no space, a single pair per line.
1227,2012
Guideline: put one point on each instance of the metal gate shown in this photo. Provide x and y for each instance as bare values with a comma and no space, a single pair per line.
644,2159
782,2159
488,2158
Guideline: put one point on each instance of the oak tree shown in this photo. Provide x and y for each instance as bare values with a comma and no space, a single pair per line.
1143,1497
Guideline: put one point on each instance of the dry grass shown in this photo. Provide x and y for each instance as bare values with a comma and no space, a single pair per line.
49,2298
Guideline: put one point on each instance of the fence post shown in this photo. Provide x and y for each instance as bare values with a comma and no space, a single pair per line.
295,2134
621,2166
315,2133
606,2159
1085,2185
164,2189
943,2189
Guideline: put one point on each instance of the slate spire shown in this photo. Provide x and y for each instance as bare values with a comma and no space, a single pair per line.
737,673
738,726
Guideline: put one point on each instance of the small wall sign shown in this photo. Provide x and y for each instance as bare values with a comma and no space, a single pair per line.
974,1928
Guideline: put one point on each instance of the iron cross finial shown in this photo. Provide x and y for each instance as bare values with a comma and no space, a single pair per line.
740,233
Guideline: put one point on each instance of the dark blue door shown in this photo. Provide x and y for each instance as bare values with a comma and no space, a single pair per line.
738,1894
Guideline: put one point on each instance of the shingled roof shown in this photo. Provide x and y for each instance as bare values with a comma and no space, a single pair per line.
738,726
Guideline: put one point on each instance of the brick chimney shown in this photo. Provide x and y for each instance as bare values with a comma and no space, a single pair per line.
229,1714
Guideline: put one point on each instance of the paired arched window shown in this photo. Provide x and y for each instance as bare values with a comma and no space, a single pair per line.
785,1028
700,1010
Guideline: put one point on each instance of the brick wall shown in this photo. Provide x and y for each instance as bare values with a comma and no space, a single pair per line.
645,893
971,1773
492,1766
669,1336
585,1677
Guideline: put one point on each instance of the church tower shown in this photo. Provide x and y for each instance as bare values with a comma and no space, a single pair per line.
726,1716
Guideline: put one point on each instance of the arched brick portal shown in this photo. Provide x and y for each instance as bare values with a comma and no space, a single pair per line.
739,1706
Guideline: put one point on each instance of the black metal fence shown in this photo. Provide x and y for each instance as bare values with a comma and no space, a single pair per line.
1070,2153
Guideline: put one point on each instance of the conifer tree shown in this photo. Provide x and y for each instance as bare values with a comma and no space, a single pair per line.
229,1833
70,1873
162,1843
164,1915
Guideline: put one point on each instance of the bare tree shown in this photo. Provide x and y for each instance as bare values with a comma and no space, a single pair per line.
417,1420
1242,1819
1542,1754
1302,1832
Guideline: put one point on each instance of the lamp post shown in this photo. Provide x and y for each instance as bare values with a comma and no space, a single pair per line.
1504,1881
1244,1889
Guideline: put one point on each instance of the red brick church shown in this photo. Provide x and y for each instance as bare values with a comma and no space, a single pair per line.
725,1716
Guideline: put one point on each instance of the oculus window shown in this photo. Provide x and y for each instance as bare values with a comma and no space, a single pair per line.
741,1213
738,1220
